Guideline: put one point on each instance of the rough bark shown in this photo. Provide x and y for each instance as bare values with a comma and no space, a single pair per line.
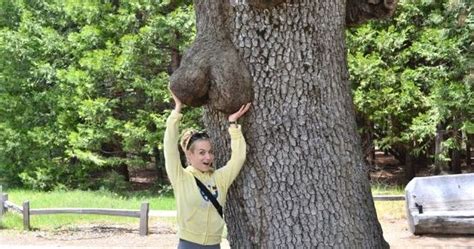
175,56
358,11
211,71
304,184
456,161
456,153
367,139
439,164
264,4
469,143
410,169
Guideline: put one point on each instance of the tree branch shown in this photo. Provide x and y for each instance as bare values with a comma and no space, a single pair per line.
360,11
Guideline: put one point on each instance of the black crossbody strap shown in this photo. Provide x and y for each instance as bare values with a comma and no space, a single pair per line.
210,196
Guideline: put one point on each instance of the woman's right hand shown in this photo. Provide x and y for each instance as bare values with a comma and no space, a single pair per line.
177,103
236,115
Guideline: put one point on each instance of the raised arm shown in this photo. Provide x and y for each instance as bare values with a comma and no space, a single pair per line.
238,146
174,169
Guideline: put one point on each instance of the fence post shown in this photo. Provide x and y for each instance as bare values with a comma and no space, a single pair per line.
26,215
144,219
3,208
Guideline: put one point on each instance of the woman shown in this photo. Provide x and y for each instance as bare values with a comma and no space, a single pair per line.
199,223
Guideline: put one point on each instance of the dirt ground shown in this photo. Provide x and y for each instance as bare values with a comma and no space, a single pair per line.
164,236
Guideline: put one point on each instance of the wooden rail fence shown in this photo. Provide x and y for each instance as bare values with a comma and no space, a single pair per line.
143,213
26,212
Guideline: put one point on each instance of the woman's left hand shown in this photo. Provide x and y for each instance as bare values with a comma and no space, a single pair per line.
236,115
177,103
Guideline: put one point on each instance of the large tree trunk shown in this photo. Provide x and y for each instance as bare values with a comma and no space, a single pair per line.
366,131
409,168
469,143
456,153
440,165
304,184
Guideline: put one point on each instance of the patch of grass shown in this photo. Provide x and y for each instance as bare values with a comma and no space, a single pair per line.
389,210
384,189
11,220
79,199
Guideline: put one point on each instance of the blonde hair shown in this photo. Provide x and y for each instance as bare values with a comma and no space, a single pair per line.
190,136
185,137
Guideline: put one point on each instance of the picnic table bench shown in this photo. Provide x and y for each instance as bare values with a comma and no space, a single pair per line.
441,204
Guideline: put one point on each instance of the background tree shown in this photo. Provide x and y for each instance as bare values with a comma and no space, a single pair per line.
304,183
411,81
84,87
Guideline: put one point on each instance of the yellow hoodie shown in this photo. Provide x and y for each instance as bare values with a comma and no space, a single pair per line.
198,219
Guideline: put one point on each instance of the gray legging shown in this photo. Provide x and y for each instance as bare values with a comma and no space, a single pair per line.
184,244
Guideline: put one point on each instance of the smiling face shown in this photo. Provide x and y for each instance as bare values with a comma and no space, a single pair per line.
201,155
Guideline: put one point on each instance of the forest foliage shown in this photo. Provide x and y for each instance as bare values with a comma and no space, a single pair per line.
412,77
83,84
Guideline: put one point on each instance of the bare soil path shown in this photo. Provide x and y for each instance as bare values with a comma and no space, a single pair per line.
163,236
396,233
